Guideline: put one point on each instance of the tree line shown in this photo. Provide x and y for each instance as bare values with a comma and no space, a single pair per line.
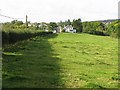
16,30
99,28
94,27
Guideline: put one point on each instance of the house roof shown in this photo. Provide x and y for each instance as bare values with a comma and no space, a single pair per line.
68,26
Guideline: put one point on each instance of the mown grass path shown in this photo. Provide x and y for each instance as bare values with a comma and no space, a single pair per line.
63,60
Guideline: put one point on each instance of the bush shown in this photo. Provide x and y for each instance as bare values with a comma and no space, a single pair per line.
99,28
12,36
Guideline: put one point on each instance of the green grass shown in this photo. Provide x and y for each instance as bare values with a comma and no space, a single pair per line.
64,60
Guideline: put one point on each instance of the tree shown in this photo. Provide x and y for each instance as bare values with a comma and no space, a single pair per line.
13,22
113,28
61,24
77,25
19,23
98,28
52,25
69,22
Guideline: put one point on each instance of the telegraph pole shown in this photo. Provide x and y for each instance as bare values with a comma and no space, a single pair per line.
119,10
0,37
26,22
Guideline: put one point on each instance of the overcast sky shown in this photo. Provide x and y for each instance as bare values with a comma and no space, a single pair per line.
56,10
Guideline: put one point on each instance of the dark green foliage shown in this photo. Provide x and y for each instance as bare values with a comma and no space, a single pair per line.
77,25
98,28
93,28
112,29
61,24
52,25
16,31
13,36
19,23
68,22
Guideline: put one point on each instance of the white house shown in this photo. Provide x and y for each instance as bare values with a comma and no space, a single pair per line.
54,31
46,30
29,25
69,28
73,31
57,30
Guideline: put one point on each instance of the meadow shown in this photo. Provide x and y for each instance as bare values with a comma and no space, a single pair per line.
64,60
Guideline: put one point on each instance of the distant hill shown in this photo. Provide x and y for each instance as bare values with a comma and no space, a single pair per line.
109,20
104,21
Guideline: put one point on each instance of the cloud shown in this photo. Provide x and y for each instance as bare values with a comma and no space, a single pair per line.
56,10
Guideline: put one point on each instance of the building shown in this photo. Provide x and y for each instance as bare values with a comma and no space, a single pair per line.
70,29
57,30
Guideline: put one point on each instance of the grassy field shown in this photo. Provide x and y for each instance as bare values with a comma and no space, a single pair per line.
62,60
